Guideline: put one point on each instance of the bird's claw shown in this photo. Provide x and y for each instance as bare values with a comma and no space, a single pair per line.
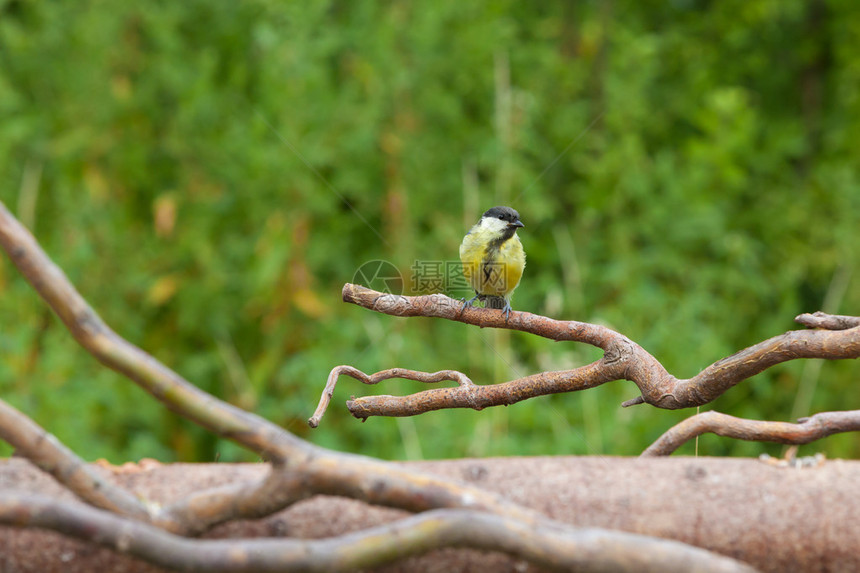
507,310
470,302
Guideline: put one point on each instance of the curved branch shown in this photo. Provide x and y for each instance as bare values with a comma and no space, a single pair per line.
558,548
336,474
90,331
441,306
806,430
299,469
200,511
480,397
623,359
192,515
51,456
378,377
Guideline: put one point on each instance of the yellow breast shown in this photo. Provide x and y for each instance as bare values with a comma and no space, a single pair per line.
492,271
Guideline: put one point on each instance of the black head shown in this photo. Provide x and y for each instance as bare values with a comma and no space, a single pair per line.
506,214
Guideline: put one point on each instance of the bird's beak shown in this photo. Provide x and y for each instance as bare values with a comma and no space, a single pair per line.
516,223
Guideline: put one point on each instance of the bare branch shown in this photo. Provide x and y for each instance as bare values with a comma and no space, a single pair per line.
805,431
300,469
827,321
45,451
623,359
558,548
441,306
200,511
192,515
337,371
253,432
334,474
480,397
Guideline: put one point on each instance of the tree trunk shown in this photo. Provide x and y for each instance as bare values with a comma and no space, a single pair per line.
775,518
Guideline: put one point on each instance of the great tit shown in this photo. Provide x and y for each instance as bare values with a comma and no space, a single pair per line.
493,258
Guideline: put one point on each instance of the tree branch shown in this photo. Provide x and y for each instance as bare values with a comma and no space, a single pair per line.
47,453
462,396
255,433
806,430
337,371
622,359
299,470
555,548
827,321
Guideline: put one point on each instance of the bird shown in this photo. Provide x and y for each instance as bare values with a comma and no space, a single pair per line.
493,258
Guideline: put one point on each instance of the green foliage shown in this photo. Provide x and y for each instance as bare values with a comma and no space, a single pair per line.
209,175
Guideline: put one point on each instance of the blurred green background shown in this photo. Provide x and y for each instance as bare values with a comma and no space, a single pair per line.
209,175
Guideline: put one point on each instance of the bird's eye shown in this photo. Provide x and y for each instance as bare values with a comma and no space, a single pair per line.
502,217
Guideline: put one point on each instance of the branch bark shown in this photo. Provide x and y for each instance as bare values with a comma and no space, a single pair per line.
775,519
806,430
557,549
623,359
337,371
46,452
298,470
828,321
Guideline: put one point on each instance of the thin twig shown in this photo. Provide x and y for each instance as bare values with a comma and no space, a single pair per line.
805,431
828,321
558,548
378,377
623,359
